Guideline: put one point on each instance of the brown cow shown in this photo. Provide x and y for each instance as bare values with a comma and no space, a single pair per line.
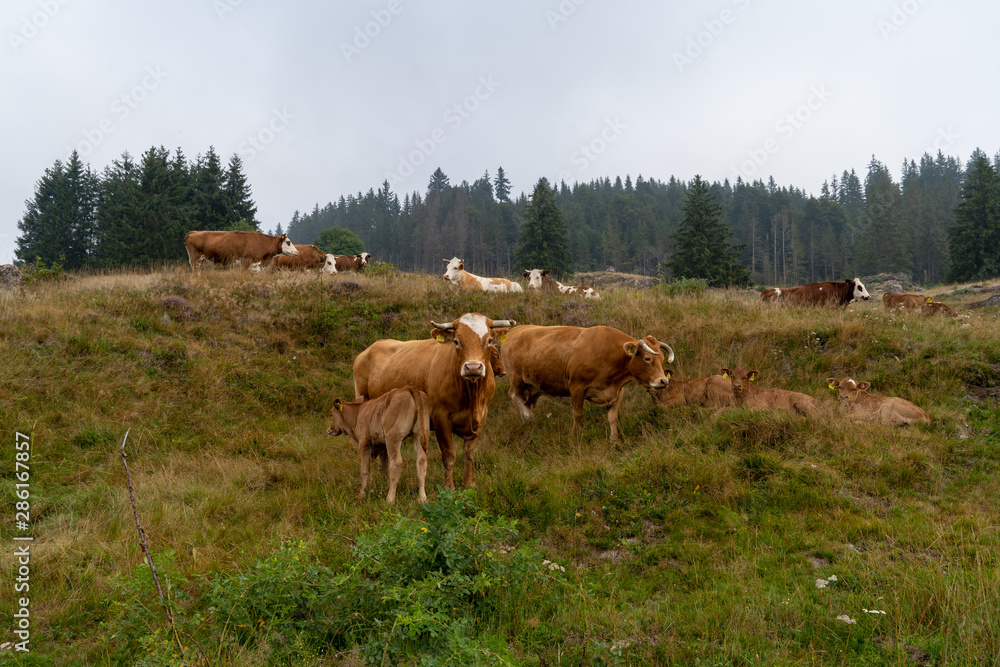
309,257
452,367
356,263
862,406
385,421
819,294
753,398
457,275
539,279
932,308
893,300
587,364
230,247
713,391
496,361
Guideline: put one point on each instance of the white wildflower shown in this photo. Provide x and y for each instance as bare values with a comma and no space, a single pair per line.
873,611
847,619
821,583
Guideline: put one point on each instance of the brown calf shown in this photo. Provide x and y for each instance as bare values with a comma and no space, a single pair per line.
386,420
893,300
932,308
862,406
713,391
748,396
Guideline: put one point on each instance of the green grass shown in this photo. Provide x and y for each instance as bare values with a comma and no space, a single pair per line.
696,540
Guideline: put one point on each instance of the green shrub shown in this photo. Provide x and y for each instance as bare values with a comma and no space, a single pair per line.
683,286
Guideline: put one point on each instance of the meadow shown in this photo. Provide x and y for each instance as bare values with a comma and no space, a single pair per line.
705,537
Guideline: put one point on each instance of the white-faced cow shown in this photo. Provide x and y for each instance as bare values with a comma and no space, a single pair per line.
754,398
230,247
587,364
378,428
539,279
819,294
356,263
894,300
714,391
862,406
452,367
309,257
457,275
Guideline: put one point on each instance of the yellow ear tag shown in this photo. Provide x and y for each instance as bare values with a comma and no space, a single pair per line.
503,338
831,386
631,352
725,375
440,339
750,378
340,406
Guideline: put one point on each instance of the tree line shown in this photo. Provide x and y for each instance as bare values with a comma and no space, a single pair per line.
939,222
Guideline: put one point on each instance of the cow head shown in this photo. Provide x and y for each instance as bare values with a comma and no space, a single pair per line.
330,265
645,362
848,390
454,271
338,422
365,257
473,337
535,276
741,379
287,247
858,290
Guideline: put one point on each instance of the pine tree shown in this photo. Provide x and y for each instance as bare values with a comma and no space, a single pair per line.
974,241
543,240
236,190
501,186
211,208
59,224
884,238
701,242
438,183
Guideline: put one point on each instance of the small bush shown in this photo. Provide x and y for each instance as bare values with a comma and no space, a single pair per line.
38,273
685,286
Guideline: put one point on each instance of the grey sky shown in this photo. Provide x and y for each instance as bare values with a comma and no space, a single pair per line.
325,99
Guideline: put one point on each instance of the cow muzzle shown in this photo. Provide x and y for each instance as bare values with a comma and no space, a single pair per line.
473,370
660,384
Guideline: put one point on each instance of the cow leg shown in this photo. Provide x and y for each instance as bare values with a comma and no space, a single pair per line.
364,463
442,429
469,455
577,397
420,449
518,391
394,447
613,413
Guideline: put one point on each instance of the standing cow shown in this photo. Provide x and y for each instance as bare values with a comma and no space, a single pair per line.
452,367
230,247
587,364
457,275
379,427
356,263
819,294
539,279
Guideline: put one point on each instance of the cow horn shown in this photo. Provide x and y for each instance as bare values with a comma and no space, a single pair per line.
448,326
644,345
670,357
504,323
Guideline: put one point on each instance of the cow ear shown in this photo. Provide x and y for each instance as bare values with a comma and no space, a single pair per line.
930,300
669,373
461,266
525,274
630,348
500,334
832,383
725,373
442,335
545,272
863,386
338,404
752,375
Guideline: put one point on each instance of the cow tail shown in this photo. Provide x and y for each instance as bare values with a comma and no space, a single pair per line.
423,417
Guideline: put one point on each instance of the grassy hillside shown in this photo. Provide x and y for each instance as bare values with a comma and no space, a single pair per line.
697,540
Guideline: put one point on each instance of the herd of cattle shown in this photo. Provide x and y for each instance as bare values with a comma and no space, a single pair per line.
445,382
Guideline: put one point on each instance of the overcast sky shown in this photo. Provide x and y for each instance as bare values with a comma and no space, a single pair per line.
328,99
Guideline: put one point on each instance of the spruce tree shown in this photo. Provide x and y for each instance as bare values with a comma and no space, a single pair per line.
438,183
701,242
543,241
501,186
974,241
236,189
884,238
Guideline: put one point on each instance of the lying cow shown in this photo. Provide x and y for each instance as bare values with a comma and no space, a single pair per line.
818,294
932,308
356,263
457,275
748,396
539,279
378,428
452,367
232,247
714,391
863,406
587,364
894,300
309,257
